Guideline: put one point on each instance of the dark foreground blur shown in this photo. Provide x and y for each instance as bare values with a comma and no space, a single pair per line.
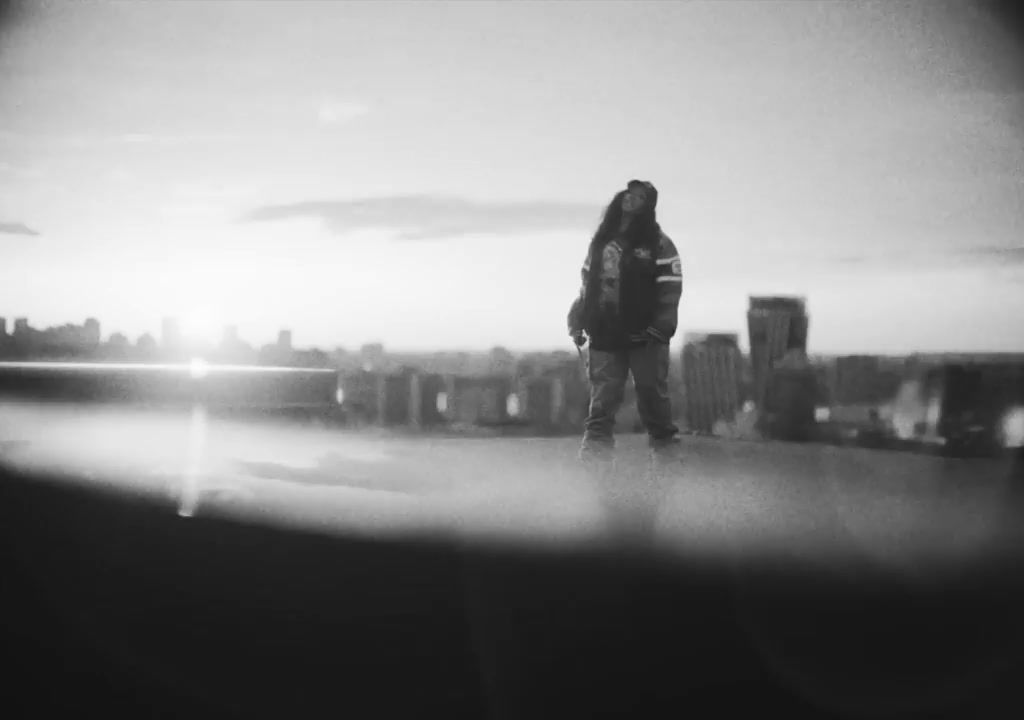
169,560
817,582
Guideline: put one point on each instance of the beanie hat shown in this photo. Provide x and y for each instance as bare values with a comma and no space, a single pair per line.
648,188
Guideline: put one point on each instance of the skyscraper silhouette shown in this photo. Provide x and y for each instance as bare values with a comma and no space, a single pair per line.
776,325
712,372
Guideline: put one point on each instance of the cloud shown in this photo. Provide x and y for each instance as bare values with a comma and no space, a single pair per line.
430,217
937,256
9,228
335,112
1005,255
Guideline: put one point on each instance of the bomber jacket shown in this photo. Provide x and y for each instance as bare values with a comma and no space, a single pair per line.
629,295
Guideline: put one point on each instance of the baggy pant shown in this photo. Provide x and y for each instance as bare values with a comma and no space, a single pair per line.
608,371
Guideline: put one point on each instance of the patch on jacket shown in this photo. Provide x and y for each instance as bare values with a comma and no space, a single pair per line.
642,253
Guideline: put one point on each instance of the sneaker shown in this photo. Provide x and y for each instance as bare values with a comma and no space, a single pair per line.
592,455
597,447
667,450
673,442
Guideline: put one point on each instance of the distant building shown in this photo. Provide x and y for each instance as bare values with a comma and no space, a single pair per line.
313,358
23,337
501,362
790,399
776,326
712,377
91,333
146,347
961,408
552,393
864,379
233,349
284,341
372,356
117,347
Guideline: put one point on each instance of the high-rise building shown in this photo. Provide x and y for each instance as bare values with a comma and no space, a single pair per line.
91,333
235,350
284,340
791,395
22,339
862,379
712,375
372,356
777,325
967,408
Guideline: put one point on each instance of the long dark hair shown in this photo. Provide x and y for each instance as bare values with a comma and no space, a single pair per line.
643,231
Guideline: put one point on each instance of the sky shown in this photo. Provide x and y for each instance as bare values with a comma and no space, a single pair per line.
428,174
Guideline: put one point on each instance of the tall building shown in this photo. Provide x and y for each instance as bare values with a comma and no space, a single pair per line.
862,379
776,325
91,333
964,408
712,376
22,337
787,410
235,350
3,328
284,340
372,356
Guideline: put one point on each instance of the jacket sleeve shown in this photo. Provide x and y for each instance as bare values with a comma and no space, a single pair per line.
575,318
669,280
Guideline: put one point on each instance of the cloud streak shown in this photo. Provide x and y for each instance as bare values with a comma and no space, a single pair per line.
1004,255
17,228
432,217
935,258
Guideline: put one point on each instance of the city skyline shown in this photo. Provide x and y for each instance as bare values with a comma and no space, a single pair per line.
90,332
433,182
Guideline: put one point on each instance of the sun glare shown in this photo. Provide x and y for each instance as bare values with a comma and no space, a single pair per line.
198,368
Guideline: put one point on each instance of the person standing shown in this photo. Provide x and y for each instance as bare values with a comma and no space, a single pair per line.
627,309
